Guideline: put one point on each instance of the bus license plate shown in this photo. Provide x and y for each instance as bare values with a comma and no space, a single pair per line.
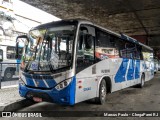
36,99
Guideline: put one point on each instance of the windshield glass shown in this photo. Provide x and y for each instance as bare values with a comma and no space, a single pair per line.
49,49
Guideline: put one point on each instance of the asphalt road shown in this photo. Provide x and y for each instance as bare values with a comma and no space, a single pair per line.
130,99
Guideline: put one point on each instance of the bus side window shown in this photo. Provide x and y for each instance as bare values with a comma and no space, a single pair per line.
147,54
128,50
11,52
106,46
139,53
85,47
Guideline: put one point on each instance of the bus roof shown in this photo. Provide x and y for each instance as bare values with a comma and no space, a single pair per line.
56,23
83,21
125,37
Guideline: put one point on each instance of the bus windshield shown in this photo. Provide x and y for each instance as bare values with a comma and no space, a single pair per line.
49,49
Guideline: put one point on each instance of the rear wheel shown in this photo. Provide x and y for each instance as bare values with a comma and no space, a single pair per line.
102,93
142,81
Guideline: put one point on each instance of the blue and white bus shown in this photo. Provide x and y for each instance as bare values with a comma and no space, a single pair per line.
70,61
8,61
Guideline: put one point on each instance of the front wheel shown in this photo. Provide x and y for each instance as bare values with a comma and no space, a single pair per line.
102,93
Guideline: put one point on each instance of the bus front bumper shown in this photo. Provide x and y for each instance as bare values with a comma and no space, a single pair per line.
65,96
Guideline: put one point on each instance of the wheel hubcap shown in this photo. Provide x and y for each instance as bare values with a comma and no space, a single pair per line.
142,81
8,75
103,92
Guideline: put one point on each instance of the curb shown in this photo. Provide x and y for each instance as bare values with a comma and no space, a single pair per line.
16,105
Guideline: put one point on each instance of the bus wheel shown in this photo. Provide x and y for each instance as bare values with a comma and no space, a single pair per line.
102,93
142,81
8,74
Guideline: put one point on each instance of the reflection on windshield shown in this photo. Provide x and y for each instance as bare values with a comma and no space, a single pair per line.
49,49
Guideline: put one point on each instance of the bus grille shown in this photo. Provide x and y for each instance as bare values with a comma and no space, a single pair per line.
38,76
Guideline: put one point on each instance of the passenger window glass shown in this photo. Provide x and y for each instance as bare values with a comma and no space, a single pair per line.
139,52
147,54
106,46
11,52
85,47
129,50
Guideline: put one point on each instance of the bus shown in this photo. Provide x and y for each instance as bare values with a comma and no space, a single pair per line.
70,61
8,61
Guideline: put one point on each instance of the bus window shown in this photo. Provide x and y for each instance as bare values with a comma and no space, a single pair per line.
106,46
148,58
85,51
147,54
11,52
129,50
138,54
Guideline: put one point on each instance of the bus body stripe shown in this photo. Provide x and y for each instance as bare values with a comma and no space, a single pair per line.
34,82
46,83
130,75
135,63
120,75
128,71
137,70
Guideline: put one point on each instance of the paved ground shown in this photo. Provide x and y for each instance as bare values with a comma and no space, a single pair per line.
9,95
9,91
130,99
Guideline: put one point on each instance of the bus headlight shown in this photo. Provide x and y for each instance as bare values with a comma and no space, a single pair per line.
63,84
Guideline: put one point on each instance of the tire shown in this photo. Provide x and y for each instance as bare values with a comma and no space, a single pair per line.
142,81
8,75
102,93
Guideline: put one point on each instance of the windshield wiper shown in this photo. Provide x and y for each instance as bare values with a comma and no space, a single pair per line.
50,66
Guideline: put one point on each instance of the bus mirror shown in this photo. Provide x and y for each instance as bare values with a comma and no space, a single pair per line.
1,58
20,41
17,44
1,55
